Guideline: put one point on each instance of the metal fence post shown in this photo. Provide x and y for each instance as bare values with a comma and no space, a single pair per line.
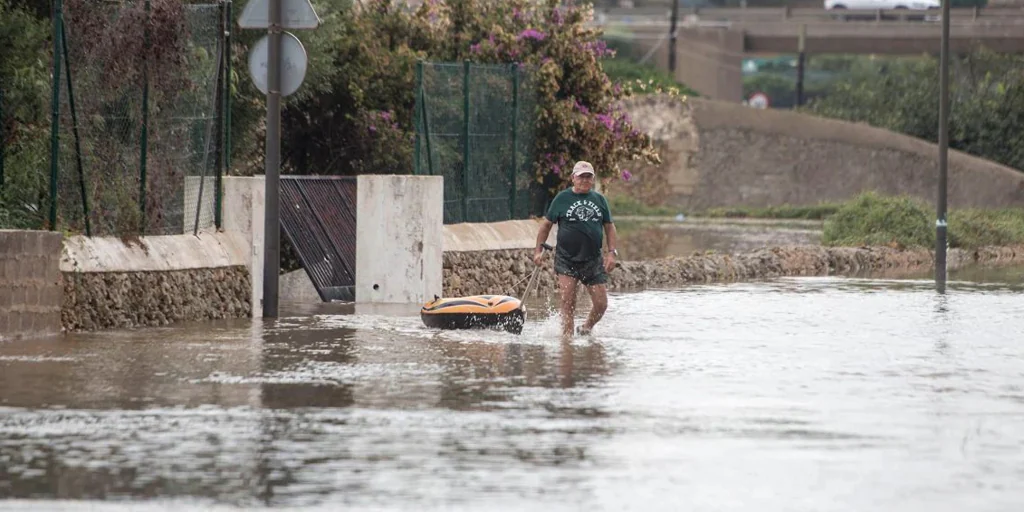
219,107
74,128
58,16
417,115
515,144
229,31
465,138
426,132
1,134
144,139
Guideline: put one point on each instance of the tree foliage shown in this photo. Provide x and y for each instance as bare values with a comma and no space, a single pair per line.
356,115
902,94
24,81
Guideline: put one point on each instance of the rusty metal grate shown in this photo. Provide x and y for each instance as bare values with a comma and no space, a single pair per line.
318,215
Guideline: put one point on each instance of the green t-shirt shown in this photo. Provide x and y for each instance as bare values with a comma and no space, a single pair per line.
581,219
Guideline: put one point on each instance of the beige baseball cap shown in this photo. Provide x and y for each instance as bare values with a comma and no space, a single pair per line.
582,167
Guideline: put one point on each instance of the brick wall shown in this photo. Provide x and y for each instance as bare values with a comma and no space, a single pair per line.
30,284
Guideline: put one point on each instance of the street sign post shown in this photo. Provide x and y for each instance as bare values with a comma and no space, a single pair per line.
293,64
295,15
277,65
759,100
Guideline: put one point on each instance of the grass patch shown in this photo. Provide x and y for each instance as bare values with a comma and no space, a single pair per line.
626,72
622,204
813,212
979,228
872,219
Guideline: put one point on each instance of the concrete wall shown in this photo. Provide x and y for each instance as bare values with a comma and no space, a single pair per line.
30,284
153,281
243,211
399,227
717,154
709,60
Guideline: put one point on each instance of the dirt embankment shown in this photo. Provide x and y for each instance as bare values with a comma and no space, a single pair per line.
718,154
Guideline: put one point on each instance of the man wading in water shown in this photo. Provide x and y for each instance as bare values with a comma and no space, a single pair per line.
581,215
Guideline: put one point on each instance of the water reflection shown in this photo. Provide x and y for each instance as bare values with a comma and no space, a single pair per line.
870,393
654,240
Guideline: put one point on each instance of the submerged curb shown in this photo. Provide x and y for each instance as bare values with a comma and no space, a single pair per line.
482,272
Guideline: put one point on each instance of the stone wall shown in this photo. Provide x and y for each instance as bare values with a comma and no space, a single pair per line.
717,154
154,281
105,300
495,272
30,284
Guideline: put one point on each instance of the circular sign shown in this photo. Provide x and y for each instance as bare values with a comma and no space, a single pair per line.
293,63
758,100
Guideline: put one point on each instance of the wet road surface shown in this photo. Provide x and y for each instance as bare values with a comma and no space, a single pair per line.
821,394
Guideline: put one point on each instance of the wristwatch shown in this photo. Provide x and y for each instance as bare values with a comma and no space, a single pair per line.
614,252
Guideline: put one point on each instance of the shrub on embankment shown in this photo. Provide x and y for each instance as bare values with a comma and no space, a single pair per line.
902,221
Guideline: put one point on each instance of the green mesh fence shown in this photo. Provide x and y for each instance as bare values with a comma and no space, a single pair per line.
474,127
124,169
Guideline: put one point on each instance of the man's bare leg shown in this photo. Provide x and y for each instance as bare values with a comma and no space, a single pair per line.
568,286
599,303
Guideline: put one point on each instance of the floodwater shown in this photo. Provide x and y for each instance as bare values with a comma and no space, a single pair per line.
810,394
653,239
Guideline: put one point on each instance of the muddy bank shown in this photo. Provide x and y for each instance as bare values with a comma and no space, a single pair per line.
478,272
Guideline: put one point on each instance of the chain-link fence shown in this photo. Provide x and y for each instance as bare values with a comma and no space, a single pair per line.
475,126
141,91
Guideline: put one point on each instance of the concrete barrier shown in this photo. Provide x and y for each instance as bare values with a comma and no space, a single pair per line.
152,281
244,207
30,284
399,227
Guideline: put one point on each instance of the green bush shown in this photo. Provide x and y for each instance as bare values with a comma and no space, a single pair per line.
872,219
24,79
902,221
624,71
979,228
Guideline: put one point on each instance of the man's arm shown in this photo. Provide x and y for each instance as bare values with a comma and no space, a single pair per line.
542,235
611,235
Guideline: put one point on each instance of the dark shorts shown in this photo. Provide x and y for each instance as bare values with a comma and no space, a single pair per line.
587,272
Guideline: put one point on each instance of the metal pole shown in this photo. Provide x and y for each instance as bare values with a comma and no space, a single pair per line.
74,128
515,144
272,219
426,132
227,87
220,100
58,16
419,105
672,38
465,138
1,134
144,139
800,64
940,222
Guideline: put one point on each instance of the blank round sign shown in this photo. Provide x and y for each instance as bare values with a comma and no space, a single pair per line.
293,63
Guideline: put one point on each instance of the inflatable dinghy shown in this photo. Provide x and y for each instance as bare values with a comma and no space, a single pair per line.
475,312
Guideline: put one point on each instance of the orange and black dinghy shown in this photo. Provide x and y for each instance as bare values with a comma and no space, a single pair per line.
475,312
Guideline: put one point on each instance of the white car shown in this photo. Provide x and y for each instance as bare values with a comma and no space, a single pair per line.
917,5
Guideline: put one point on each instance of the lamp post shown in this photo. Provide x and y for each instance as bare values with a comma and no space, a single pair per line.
940,222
